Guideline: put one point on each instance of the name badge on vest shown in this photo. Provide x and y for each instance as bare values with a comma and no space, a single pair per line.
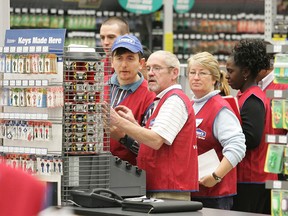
200,134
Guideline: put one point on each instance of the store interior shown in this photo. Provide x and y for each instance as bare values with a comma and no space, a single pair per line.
212,26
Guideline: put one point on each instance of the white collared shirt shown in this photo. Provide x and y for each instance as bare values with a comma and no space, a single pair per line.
171,117
266,80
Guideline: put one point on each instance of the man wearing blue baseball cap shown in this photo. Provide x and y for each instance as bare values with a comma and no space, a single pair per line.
128,87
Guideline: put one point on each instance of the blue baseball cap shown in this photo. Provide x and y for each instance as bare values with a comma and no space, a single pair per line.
129,42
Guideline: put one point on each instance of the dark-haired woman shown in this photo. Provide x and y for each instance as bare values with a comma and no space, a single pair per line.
248,58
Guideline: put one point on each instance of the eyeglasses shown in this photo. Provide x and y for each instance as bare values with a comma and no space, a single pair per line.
200,74
156,69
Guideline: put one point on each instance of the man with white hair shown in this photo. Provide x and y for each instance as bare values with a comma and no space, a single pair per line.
168,149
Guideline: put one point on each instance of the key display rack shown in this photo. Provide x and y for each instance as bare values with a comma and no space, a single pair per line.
87,161
85,138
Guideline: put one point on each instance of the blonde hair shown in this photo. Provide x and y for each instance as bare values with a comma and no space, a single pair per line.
208,61
224,86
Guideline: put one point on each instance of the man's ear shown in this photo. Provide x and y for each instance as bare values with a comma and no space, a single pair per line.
175,72
142,63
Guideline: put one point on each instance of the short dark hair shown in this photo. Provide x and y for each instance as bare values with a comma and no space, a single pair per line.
122,50
146,52
251,54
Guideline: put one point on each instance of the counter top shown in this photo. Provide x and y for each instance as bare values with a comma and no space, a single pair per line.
118,211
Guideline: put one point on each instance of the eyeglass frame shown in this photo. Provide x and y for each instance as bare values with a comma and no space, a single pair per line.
156,69
200,74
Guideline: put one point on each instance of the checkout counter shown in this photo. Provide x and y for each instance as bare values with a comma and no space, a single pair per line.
117,211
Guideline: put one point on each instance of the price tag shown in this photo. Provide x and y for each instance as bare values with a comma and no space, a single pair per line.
33,116
1,115
5,149
32,49
13,49
18,82
10,149
44,82
16,149
45,116
38,49
32,150
44,151
277,48
25,49
12,115
19,49
38,116
31,82
22,116
21,149
1,49
27,116
26,150
277,184
45,49
6,115
24,82
282,139
1,149
17,115
38,82
6,49
38,151
270,138
12,82
5,82
278,93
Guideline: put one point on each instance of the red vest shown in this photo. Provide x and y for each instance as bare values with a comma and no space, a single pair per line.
274,86
138,102
20,193
251,168
172,167
206,141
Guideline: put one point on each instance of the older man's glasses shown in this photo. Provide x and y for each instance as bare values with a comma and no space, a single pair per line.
156,69
200,74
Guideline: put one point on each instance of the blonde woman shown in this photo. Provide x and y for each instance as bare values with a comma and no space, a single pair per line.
217,128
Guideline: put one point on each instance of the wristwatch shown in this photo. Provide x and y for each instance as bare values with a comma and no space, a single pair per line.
123,140
217,178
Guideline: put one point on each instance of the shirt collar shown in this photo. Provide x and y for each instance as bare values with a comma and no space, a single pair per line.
175,86
266,80
132,87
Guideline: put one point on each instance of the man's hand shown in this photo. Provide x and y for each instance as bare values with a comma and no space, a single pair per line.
126,113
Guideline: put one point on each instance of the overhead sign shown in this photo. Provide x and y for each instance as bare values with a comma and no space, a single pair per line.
141,6
53,38
183,6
